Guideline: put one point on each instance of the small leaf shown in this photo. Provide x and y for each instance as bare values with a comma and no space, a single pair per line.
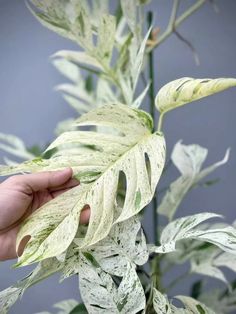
187,228
129,8
185,90
106,38
10,295
15,146
189,160
160,303
78,57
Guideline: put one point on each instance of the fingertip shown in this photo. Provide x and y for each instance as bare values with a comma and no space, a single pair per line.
85,215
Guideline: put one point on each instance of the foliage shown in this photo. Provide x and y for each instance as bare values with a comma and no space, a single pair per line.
118,155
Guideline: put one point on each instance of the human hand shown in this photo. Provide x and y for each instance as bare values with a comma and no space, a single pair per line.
21,195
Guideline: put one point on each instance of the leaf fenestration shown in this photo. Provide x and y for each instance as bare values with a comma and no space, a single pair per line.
98,172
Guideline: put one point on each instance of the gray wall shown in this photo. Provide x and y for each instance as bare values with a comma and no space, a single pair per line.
30,108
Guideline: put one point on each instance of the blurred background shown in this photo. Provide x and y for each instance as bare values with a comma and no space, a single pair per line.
30,108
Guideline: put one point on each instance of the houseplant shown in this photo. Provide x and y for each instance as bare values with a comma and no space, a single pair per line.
119,163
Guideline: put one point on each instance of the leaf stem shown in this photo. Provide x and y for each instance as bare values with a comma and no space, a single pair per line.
175,22
160,122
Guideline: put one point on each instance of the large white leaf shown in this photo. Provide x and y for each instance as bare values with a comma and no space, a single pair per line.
185,90
53,227
188,228
189,160
101,295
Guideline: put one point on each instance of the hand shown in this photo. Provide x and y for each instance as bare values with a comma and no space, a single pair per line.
21,195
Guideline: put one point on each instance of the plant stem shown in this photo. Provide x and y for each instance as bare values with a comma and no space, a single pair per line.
152,112
151,71
174,23
160,122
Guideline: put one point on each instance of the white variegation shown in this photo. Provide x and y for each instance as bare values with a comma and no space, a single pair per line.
99,170
101,295
162,305
203,263
189,160
185,90
193,306
124,245
188,228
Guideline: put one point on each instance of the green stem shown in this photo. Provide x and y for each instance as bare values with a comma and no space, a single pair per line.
174,23
152,112
151,72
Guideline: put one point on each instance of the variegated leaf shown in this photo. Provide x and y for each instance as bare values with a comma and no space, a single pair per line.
110,155
125,244
10,295
100,293
160,303
191,306
77,57
15,146
185,90
188,228
129,8
106,38
189,160
202,263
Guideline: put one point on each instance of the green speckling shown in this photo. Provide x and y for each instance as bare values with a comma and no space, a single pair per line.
37,160
200,309
146,118
137,199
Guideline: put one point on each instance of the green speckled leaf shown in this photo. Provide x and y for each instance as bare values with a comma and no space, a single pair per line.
101,295
53,227
125,244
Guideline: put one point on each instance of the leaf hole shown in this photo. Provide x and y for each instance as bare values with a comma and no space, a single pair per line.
148,168
121,190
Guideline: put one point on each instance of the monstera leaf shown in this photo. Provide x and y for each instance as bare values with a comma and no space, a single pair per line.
185,90
102,295
99,160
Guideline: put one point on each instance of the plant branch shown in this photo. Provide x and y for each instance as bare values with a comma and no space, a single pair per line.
175,22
